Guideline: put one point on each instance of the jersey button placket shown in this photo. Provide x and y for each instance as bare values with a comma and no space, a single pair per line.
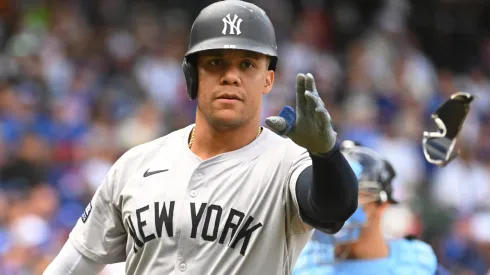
193,193
182,267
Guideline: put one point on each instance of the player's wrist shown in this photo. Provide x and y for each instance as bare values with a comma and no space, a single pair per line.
324,144
327,153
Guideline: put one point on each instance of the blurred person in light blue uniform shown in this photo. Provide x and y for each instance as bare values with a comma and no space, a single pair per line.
360,247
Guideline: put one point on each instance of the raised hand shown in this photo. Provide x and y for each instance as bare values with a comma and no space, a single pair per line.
310,125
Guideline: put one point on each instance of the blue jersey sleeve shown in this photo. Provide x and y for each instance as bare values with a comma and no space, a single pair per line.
406,257
316,257
413,257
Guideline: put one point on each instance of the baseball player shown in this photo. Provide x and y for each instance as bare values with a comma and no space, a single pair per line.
360,247
223,195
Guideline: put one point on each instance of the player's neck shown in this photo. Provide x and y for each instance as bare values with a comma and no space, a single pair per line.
372,245
209,141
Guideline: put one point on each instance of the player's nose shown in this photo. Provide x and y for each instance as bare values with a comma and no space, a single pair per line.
231,76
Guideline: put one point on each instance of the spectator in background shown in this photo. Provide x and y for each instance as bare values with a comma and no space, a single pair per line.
464,186
399,146
459,253
27,167
144,125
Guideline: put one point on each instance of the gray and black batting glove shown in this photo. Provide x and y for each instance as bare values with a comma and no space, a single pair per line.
310,126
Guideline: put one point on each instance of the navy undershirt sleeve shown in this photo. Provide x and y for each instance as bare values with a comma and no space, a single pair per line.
327,191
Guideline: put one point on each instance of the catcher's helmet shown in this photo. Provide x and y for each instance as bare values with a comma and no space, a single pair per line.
230,24
376,173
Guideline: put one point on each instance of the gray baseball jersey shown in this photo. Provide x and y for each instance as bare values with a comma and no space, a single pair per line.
165,211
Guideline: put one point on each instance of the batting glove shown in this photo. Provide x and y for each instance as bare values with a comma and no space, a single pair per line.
310,126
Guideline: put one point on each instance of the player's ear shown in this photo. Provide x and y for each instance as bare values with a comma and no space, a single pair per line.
269,81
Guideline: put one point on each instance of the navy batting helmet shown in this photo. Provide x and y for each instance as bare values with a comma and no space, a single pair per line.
230,24
377,173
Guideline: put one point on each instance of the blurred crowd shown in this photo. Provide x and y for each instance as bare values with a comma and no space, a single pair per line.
81,82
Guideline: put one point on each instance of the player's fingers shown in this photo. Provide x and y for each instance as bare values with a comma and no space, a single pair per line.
310,101
310,84
277,124
321,114
300,91
314,101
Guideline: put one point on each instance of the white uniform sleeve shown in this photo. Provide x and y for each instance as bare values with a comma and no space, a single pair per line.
300,162
71,262
100,234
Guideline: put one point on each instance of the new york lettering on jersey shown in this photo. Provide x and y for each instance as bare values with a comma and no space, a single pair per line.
210,231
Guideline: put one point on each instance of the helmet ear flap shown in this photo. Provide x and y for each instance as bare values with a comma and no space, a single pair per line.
190,73
273,63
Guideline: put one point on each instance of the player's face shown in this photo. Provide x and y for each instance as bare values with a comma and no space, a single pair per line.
369,206
231,85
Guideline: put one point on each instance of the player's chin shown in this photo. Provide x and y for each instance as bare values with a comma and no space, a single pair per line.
227,108
227,118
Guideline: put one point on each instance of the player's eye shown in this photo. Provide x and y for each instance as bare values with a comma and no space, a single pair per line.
247,64
215,62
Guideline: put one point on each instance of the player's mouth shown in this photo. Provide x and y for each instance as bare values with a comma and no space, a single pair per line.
229,97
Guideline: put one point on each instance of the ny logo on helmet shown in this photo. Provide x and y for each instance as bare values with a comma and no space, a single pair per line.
231,24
